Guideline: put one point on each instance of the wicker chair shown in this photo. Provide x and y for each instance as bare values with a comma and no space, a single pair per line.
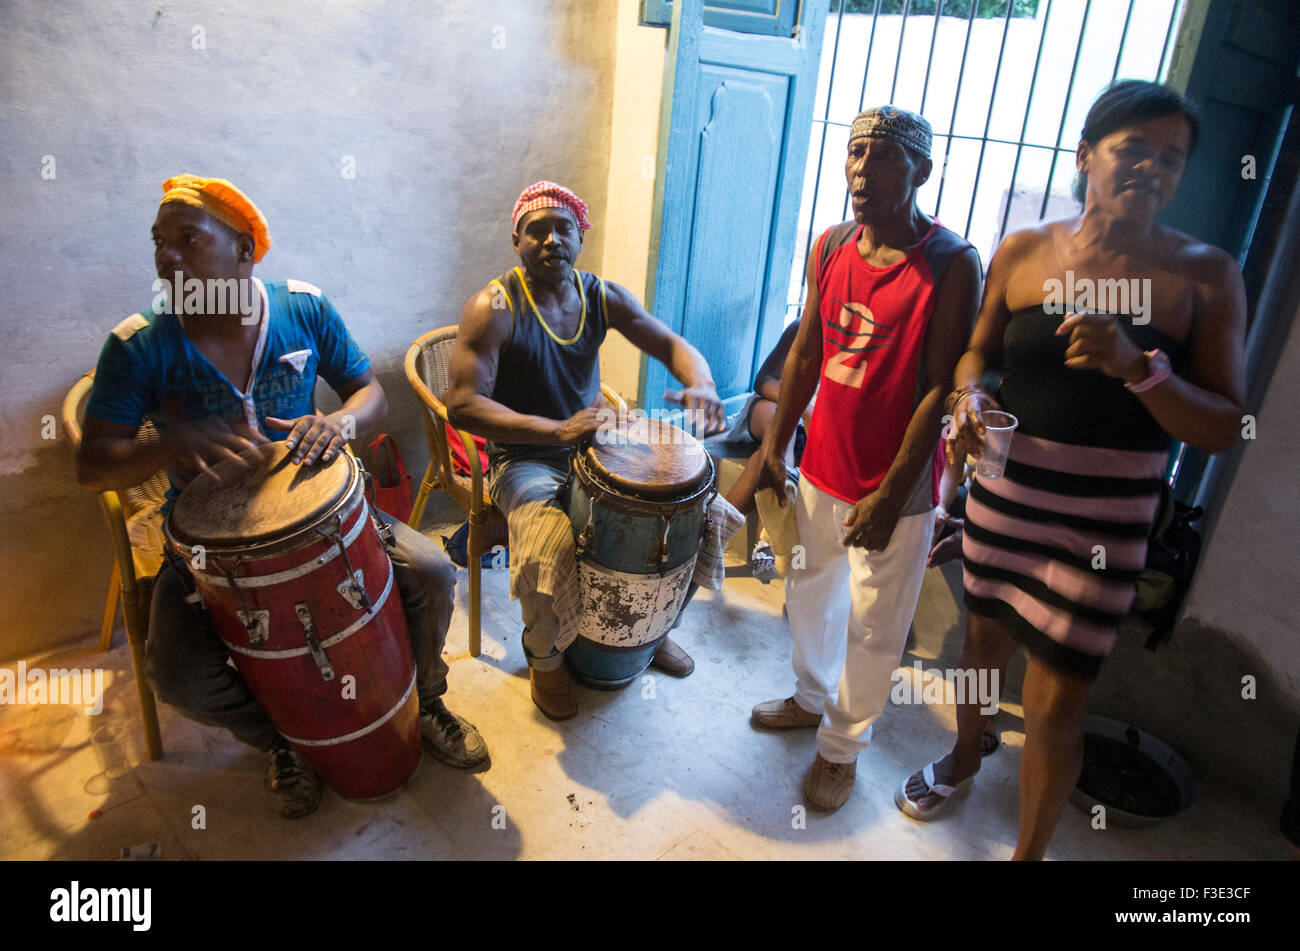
135,528
428,370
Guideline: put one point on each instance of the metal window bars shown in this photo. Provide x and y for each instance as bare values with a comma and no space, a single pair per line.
1012,171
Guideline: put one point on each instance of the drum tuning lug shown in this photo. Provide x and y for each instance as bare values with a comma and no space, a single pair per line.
313,642
353,589
659,556
587,537
258,625
335,535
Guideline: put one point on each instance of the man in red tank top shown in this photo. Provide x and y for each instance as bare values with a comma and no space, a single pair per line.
892,296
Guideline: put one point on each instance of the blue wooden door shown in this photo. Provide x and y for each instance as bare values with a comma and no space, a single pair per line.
733,144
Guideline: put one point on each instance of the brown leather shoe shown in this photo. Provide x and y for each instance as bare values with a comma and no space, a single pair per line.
829,785
553,692
783,715
671,659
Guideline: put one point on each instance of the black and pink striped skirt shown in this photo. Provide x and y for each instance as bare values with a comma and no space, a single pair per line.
1053,548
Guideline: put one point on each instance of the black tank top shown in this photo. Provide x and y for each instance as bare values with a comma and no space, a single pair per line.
540,373
1082,407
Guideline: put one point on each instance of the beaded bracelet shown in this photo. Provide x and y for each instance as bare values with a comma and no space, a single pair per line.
956,396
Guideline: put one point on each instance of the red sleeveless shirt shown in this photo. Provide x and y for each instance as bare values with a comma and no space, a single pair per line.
873,322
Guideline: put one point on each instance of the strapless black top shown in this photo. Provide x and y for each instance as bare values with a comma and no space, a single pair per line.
1082,407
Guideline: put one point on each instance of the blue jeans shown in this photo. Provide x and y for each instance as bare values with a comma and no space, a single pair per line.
185,660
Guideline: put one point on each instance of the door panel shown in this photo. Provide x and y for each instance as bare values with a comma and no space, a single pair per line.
732,222
770,17
733,142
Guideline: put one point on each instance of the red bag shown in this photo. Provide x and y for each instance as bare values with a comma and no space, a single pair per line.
391,485
460,461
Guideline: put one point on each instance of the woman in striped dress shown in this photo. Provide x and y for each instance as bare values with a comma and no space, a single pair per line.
1113,334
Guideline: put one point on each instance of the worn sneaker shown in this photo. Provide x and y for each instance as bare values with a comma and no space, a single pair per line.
783,715
829,785
454,740
294,786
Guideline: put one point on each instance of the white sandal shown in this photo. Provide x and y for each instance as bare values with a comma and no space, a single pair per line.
909,806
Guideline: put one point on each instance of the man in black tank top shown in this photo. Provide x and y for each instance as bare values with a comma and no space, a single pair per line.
525,374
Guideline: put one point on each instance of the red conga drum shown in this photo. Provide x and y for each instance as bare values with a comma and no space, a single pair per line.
299,586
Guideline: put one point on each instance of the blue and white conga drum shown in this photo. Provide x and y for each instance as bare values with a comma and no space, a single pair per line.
637,500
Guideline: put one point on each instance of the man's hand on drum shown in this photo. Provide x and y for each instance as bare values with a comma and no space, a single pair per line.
965,436
871,523
706,411
310,437
201,444
582,425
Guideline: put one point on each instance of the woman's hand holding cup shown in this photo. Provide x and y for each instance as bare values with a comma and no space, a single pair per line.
965,435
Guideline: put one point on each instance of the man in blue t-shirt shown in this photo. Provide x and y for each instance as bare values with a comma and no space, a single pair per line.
231,364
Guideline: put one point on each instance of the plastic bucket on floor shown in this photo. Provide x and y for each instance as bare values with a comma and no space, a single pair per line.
1139,778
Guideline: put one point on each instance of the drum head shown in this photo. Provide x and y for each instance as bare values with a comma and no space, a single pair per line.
650,459
269,498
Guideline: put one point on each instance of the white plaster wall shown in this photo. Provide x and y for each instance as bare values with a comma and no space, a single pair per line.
629,201
1246,582
448,109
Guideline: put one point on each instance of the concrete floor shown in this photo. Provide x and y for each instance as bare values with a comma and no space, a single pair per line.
664,769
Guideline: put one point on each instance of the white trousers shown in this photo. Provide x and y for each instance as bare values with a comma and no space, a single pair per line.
849,613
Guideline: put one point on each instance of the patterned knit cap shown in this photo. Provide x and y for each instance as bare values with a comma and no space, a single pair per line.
890,122
550,195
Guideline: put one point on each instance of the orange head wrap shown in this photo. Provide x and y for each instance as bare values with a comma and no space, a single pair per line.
224,202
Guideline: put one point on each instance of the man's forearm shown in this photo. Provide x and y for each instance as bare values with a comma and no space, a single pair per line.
366,407
487,418
918,447
111,464
689,366
798,384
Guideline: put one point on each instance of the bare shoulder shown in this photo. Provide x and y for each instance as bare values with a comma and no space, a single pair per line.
1027,242
1198,260
619,296
623,305
488,315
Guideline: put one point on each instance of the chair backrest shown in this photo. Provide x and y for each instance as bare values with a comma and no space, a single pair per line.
435,360
144,495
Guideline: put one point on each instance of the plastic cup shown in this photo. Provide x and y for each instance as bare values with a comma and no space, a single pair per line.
998,427
110,745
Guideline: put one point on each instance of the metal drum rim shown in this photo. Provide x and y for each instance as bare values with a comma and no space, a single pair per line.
588,453
286,541
630,503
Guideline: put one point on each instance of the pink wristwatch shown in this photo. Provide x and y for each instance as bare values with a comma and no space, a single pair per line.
1158,368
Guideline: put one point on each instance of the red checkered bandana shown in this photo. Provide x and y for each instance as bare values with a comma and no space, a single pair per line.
550,195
